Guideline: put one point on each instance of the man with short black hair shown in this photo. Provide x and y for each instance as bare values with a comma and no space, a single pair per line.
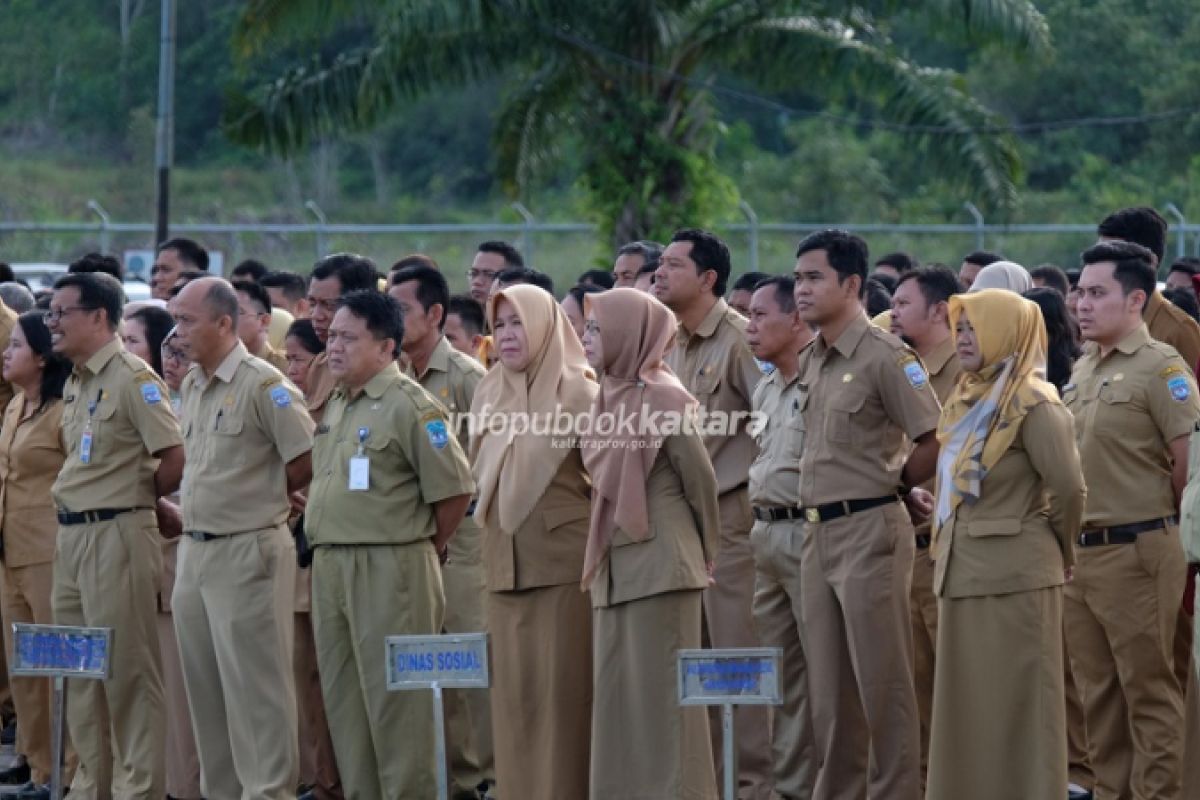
98,262
1051,275
895,265
491,258
972,263
600,278
743,288
1167,323
1135,405
171,259
713,360
516,275
250,269
869,400
254,318
450,377
1182,273
124,451
920,317
464,324
391,487
332,277
631,259
248,441
288,291
414,260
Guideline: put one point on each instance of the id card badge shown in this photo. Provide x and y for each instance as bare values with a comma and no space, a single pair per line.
85,447
360,473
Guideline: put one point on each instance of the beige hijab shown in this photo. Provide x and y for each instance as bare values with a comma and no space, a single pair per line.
512,469
636,332
1003,275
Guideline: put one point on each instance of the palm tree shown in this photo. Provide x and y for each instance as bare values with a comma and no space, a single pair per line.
629,82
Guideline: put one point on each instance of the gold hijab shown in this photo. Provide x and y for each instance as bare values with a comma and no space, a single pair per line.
513,468
636,332
983,416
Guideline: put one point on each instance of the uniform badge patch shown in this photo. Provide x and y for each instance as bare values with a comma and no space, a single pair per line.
1179,388
438,437
915,374
280,396
151,394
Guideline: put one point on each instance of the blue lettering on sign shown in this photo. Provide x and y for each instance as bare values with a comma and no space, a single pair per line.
444,661
727,676
62,652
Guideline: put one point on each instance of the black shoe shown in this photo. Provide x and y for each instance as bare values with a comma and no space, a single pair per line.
9,734
306,796
15,776
34,792
1077,793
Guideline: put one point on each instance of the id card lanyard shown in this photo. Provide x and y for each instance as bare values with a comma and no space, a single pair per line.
85,441
360,465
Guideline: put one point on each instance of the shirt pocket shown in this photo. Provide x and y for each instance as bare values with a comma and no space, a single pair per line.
1007,526
225,442
1115,405
103,426
707,386
839,425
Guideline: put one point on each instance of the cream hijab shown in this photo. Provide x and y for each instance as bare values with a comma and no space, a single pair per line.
1003,275
512,470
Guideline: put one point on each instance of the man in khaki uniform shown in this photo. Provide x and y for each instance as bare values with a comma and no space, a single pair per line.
254,316
776,335
123,453
451,377
865,397
714,362
1135,403
920,318
391,486
248,440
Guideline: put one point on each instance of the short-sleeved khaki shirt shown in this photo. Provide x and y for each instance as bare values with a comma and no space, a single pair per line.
126,409
943,367
242,426
864,398
1128,407
414,463
1171,325
451,377
321,384
775,473
31,455
717,367
276,358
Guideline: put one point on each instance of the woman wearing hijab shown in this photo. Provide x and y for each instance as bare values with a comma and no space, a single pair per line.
534,505
1003,275
1009,504
654,529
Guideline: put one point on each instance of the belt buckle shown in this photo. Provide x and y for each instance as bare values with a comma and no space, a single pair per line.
812,514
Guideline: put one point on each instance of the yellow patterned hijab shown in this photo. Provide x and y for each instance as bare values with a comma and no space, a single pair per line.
983,416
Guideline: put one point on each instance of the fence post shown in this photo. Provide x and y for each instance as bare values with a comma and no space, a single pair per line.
977,215
752,220
319,228
1181,238
527,234
104,221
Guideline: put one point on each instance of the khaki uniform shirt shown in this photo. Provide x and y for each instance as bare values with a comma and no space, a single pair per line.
775,473
1128,407
243,425
414,463
1021,533
31,455
864,397
126,409
944,368
717,367
685,523
321,383
276,358
1170,324
451,377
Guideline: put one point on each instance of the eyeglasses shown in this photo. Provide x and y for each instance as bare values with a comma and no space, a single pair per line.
489,274
172,354
55,314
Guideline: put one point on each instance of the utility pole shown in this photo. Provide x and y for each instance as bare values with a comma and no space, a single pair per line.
164,142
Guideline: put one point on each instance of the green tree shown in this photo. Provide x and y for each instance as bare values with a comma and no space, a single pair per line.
630,82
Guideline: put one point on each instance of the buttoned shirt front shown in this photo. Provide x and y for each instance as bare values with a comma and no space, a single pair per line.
31,455
775,473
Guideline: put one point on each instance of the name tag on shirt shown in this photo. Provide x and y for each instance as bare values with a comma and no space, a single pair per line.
360,473
85,447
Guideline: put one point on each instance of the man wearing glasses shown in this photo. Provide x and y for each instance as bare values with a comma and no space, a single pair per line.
124,452
254,323
491,259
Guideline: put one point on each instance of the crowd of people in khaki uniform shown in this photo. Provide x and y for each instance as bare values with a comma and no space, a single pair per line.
965,520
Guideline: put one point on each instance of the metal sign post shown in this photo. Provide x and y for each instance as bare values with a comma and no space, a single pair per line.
456,661
734,677
60,652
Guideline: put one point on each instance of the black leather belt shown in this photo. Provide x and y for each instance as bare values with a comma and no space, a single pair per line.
923,541
201,536
84,517
844,508
1122,534
777,513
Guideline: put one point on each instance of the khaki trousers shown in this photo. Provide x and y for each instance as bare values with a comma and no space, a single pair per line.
1079,768
468,711
779,619
857,573
106,575
183,762
541,691
729,622
636,708
25,597
1191,737
233,604
361,595
999,723
1121,613
924,614
318,763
